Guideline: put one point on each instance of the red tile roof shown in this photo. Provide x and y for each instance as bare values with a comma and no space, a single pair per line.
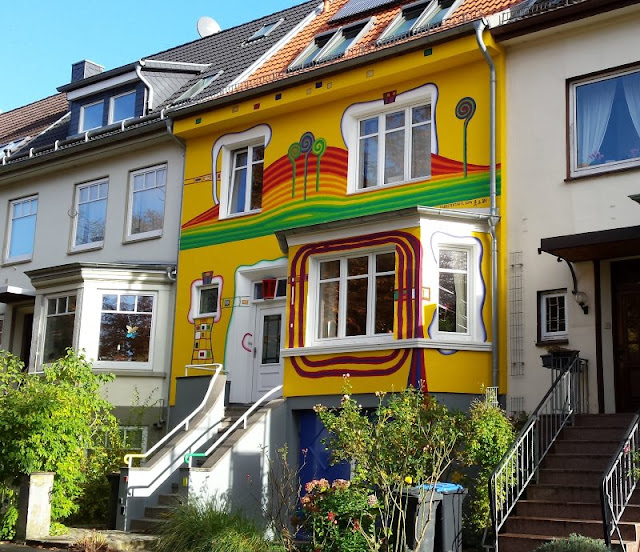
32,119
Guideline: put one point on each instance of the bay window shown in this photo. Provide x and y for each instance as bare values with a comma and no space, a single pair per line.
60,322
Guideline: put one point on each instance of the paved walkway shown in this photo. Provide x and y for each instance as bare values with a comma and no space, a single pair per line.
116,540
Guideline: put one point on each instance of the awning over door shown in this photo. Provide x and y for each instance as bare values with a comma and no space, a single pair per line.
14,294
591,246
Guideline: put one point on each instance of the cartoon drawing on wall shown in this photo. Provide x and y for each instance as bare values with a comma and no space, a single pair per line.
465,110
204,312
307,145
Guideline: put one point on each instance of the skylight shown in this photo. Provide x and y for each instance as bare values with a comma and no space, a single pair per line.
418,16
198,87
265,30
355,7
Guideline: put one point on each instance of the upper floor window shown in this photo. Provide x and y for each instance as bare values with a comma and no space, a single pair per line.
60,322
147,190
605,122
91,214
122,107
552,315
22,228
418,16
245,190
394,146
91,116
330,45
355,296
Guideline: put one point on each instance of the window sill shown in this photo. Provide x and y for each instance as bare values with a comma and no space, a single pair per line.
17,260
229,216
551,342
357,191
603,172
386,345
134,238
131,373
82,249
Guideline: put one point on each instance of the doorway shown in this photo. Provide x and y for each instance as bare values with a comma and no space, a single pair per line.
22,333
268,366
625,279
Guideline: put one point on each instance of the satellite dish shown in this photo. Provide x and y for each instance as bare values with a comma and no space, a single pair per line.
207,26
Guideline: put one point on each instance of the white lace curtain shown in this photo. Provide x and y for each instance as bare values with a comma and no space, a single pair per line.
631,85
594,110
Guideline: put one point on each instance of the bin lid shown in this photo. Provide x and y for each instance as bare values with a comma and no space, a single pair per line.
445,488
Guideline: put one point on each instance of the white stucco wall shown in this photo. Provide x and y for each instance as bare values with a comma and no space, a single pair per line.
541,203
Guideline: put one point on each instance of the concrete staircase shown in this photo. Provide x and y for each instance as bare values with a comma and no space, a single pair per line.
566,497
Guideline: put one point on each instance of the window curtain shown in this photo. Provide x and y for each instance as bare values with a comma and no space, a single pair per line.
594,102
631,85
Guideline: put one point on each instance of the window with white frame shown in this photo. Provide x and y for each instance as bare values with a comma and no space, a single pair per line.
208,300
125,326
355,296
605,122
330,45
416,17
265,30
280,290
122,107
22,228
59,326
91,214
91,116
134,438
394,146
453,290
552,315
247,170
147,192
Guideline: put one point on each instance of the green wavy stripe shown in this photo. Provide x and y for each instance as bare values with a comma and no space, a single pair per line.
319,209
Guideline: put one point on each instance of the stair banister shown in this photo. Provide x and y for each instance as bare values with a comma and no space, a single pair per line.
241,420
184,425
520,463
619,480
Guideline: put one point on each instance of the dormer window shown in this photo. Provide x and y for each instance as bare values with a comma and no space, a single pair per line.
418,16
265,30
331,45
91,116
122,107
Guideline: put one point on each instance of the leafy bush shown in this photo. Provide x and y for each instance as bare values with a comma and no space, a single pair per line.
575,543
206,526
49,422
488,436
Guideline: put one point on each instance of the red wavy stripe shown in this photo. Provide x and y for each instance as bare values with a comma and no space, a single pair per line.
207,216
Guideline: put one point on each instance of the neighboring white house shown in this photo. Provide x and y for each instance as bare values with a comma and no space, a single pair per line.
573,162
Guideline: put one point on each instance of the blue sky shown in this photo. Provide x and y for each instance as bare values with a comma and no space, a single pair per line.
41,38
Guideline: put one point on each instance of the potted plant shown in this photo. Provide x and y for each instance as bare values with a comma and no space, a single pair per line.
557,357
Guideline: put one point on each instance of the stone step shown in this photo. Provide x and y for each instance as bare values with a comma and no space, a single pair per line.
587,433
603,420
562,527
158,512
577,461
146,525
582,446
566,476
571,510
564,493
509,542
170,499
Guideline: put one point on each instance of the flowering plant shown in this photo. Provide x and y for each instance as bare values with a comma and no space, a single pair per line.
338,516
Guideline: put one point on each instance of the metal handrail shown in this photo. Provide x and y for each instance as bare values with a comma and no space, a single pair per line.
520,464
619,481
242,419
128,458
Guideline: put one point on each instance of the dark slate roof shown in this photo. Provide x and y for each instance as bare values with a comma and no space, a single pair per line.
231,51
32,119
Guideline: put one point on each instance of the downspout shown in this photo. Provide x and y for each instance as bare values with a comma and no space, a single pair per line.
494,218
149,105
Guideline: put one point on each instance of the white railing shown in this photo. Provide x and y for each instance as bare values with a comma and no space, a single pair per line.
520,464
205,367
184,425
241,420
619,481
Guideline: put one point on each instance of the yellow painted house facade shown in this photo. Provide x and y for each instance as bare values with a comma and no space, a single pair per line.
338,222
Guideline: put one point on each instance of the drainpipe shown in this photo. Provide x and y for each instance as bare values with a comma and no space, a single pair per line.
494,218
147,84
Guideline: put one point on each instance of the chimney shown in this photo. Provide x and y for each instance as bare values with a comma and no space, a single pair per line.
84,69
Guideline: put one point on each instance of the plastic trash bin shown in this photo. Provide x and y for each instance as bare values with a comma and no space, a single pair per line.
422,506
448,530
114,488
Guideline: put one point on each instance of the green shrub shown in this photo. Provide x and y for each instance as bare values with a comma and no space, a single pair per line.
206,526
575,543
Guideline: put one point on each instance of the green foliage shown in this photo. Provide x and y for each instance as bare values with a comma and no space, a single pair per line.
410,439
201,526
488,436
55,421
339,517
575,543
57,528
8,513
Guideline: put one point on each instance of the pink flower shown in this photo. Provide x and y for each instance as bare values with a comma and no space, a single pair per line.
372,500
331,516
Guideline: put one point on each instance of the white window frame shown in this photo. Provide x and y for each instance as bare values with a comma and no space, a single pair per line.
549,335
574,169
232,153
130,236
46,316
144,437
126,365
321,52
261,32
76,208
423,95
226,145
112,101
256,299
313,312
212,314
81,122
422,22
475,290
10,223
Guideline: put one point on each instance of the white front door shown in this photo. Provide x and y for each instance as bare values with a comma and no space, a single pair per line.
268,339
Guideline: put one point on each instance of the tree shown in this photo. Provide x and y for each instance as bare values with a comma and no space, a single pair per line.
55,421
